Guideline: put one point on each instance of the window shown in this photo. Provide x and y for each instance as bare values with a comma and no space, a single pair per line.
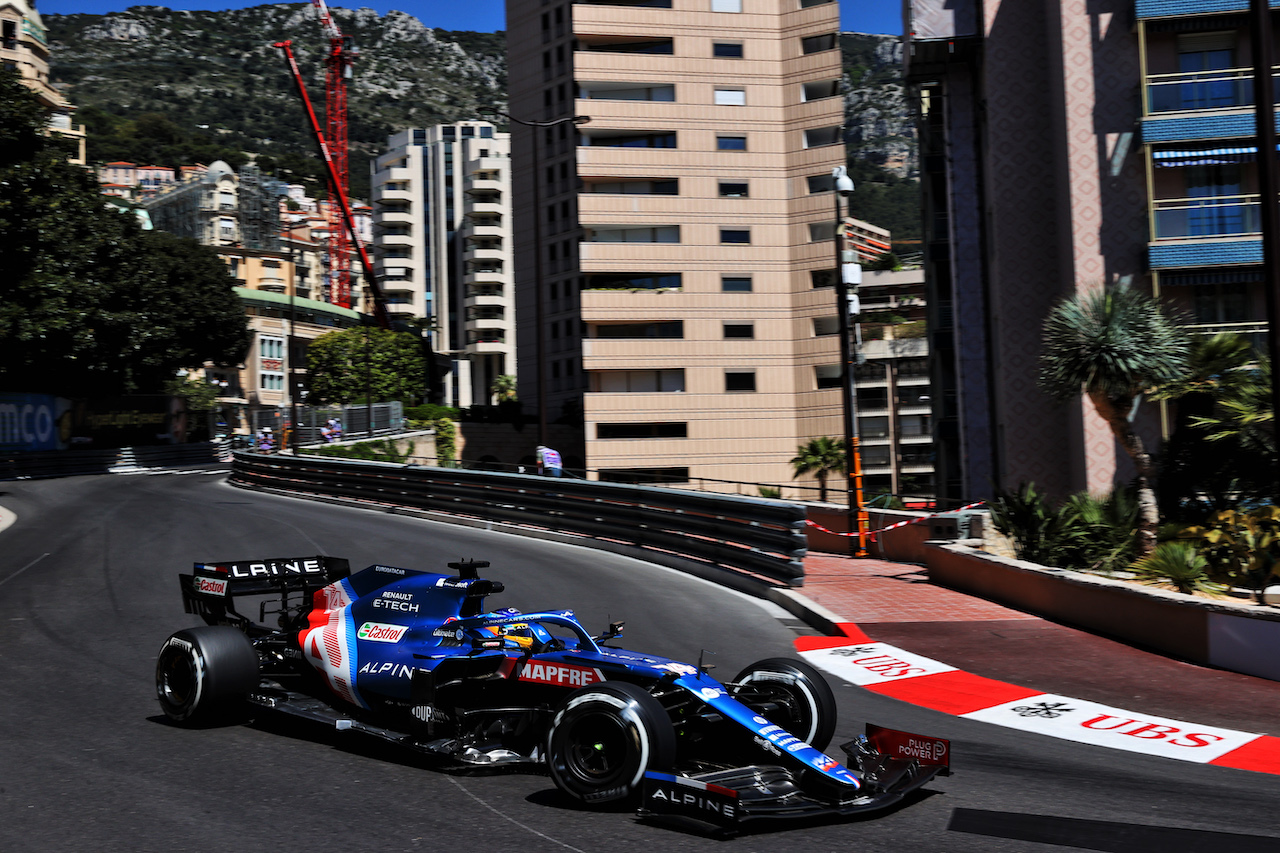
739,330
739,380
823,326
820,183
819,231
643,475
816,137
735,284
735,235
731,97
816,44
727,49
637,381
820,89
626,92
632,281
657,234
731,143
643,430
726,5
659,186
631,45
805,4
271,381
822,278
730,189
626,139
271,347
655,329
827,375
1221,303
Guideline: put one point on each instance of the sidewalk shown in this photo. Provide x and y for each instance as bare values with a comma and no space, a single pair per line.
895,603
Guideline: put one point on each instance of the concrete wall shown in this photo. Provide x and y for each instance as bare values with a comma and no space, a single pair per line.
903,544
1230,634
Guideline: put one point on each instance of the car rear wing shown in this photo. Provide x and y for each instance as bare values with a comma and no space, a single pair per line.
209,591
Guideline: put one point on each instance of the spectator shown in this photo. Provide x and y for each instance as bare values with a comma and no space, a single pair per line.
335,429
548,462
265,442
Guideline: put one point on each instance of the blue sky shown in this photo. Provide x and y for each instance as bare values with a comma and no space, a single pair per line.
863,16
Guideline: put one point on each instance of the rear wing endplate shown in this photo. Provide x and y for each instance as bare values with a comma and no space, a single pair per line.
208,591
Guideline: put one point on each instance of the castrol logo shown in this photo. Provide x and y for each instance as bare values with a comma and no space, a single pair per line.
378,632
211,586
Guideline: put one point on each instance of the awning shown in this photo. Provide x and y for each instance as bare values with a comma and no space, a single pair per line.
1205,157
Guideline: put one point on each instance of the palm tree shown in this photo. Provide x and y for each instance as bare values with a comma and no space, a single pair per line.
1113,345
503,387
819,456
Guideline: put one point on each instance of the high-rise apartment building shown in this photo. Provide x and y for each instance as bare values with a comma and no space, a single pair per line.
24,49
442,240
1069,146
674,252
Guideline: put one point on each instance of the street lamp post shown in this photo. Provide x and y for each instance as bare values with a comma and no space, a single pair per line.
540,332
848,307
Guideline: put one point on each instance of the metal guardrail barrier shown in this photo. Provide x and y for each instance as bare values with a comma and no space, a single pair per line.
758,537
68,463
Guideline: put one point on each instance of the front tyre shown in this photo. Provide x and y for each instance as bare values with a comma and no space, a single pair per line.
204,674
792,694
604,738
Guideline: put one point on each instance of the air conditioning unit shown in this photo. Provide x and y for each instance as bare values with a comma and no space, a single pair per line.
954,525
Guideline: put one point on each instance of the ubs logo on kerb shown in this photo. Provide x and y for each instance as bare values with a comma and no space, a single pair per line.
381,633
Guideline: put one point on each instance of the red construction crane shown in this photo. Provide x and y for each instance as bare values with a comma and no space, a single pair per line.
342,55
345,224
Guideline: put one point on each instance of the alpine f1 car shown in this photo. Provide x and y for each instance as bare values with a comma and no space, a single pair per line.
414,658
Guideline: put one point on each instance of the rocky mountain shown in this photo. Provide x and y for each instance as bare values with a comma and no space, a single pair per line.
159,85
879,126
216,75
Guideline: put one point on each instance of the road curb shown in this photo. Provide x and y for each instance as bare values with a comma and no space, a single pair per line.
7,518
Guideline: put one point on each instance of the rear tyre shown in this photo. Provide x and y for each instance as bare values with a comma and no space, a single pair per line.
204,674
792,694
604,738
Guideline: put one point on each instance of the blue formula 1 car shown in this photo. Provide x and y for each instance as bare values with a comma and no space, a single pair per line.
414,658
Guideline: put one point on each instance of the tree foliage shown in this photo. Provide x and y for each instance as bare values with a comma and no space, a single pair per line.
355,364
1222,451
90,304
1113,345
819,456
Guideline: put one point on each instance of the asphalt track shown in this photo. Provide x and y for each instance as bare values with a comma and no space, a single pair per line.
88,591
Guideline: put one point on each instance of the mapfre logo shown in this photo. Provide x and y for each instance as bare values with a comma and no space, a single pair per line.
211,586
381,633
561,675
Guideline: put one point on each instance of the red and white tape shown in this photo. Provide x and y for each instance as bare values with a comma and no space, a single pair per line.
871,534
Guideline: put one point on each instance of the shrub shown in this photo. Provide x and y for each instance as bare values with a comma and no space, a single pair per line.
1180,566
1040,533
1241,547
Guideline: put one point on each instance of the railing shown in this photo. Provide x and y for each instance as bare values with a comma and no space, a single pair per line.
750,536
1200,90
67,463
1215,216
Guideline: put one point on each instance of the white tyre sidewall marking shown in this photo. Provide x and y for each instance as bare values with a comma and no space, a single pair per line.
192,654
625,711
796,681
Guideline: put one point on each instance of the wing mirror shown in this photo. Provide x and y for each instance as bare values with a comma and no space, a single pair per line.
615,631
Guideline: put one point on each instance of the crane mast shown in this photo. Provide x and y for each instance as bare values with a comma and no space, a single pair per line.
346,224
338,62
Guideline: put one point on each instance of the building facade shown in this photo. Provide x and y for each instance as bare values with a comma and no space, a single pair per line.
281,279
1065,147
24,49
675,252
442,239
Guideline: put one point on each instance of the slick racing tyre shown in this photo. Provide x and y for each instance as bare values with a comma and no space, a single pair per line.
204,674
604,738
792,694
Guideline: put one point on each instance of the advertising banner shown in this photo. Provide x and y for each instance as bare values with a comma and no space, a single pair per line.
32,422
